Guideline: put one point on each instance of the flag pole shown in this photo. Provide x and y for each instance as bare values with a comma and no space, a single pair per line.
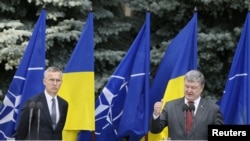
93,136
93,132
195,9
146,137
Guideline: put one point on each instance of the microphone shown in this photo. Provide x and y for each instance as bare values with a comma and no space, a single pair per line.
39,106
192,109
184,109
32,105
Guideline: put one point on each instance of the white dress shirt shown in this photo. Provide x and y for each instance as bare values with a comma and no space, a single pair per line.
49,102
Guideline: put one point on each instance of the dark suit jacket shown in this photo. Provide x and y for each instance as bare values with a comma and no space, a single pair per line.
46,131
208,113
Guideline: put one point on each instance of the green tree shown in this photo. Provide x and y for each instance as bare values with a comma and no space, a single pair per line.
219,27
65,20
116,24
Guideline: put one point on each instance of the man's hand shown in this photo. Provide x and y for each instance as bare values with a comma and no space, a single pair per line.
157,108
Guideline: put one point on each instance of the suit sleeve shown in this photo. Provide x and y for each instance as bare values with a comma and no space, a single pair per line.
158,124
219,118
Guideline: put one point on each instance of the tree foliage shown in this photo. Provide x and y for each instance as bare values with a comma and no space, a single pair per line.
116,24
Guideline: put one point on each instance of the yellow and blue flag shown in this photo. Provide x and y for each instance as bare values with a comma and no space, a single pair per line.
235,102
27,81
78,85
180,57
122,106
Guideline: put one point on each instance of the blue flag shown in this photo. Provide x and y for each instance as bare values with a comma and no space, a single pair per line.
121,108
27,81
85,136
179,58
135,117
235,102
78,85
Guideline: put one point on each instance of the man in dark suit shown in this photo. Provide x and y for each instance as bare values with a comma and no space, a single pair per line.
48,118
174,114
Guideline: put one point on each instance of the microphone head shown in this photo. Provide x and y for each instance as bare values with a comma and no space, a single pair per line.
32,104
191,107
184,107
39,105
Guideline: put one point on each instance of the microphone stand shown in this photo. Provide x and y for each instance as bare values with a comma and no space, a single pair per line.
185,117
192,108
193,122
39,107
184,109
31,106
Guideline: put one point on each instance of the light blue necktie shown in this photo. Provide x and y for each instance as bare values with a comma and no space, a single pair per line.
53,113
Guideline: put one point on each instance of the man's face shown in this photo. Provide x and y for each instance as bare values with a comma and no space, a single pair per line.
192,90
52,82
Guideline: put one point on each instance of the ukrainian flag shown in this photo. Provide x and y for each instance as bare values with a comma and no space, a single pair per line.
78,85
180,57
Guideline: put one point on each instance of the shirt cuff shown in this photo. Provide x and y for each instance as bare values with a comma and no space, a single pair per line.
155,117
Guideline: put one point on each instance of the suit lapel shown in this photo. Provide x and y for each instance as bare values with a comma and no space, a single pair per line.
46,109
180,114
201,112
60,108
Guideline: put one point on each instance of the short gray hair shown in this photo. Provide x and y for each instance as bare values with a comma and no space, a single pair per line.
52,69
195,76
